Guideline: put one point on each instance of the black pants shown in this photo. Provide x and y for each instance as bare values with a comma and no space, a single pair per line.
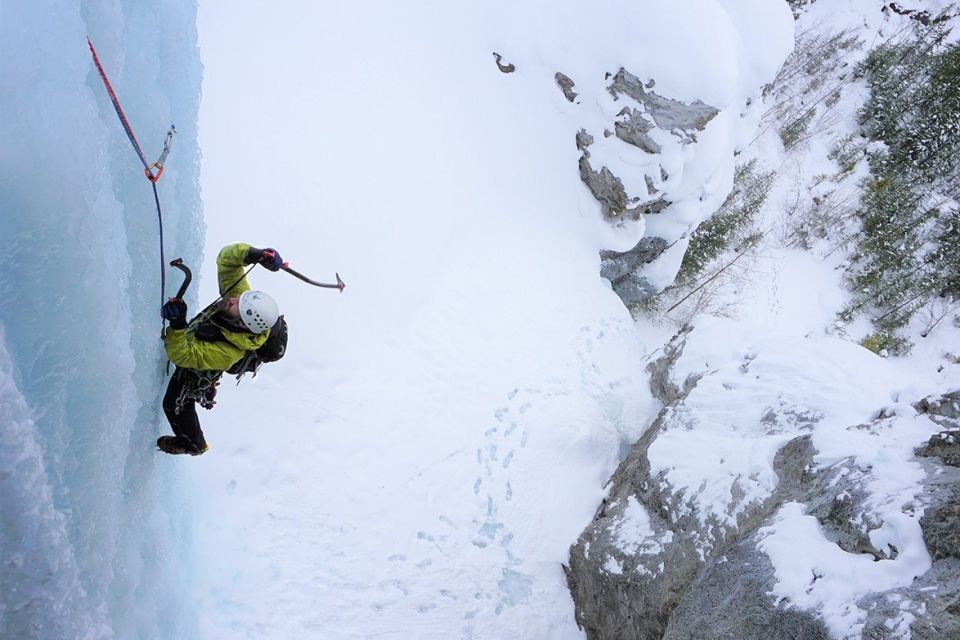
185,423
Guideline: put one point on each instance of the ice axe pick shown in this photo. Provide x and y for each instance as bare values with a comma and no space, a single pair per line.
340,284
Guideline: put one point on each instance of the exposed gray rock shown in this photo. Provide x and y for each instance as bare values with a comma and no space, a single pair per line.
505,68
635,600
608,189
793,464
633,288
941,528
651,206
633,128
584,140
614,265
939,590
605,187
729,601
681,119
662,385
884,611
944,445
566,85
623,269
651,187
944,410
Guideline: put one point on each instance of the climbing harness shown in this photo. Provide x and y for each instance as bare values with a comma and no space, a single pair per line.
199,387
153,170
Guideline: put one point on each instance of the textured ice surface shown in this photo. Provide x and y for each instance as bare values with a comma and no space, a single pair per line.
90,524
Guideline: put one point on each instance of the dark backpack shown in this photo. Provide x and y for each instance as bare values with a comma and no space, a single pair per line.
270,351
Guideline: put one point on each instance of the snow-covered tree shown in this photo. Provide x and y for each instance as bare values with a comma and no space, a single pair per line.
904,257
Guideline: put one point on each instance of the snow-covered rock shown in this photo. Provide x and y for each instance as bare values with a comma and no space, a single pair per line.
645,112
657,121
639,155
809,523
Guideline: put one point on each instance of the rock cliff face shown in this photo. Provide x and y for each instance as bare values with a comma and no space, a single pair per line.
644,118
941,522
623,270
659,561
643,112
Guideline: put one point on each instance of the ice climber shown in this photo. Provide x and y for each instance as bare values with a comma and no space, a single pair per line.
222,338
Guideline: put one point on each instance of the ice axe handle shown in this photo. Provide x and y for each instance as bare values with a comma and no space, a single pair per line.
340,284
178,263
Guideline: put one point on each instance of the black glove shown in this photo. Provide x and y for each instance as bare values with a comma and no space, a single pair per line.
175,311
269,258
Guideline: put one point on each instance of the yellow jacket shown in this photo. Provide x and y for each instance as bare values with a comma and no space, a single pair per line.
186,351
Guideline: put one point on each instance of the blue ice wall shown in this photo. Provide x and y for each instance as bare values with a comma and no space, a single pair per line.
95,537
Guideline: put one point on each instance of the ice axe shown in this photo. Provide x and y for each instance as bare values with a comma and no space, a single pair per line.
340,284
187,276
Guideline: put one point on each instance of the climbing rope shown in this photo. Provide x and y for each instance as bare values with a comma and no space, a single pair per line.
152,171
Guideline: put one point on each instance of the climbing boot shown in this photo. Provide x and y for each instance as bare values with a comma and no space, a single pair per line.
174,445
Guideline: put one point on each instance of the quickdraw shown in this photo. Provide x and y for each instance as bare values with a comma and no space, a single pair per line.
158,165
152,170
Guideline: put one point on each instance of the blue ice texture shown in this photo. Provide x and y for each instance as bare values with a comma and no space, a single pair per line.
95,525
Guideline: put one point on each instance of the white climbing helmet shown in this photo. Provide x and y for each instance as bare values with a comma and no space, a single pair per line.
258,311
